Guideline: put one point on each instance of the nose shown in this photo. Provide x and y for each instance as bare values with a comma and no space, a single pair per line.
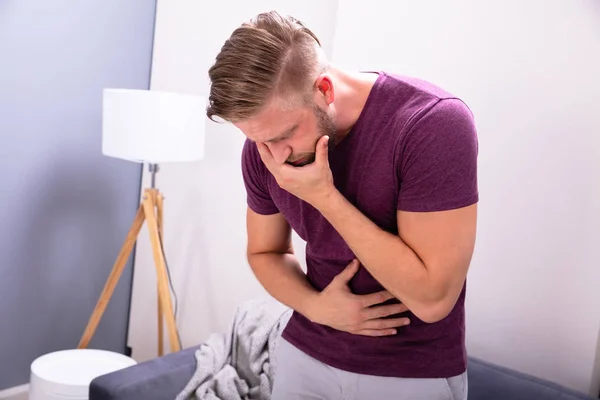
280,151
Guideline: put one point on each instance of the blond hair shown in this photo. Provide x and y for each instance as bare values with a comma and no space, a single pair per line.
269,57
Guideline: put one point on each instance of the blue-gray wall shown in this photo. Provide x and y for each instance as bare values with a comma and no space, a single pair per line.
64,207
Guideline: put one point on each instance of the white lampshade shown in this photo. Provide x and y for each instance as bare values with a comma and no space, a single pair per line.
152,126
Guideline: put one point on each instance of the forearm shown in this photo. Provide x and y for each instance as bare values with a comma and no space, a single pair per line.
283,278
389,260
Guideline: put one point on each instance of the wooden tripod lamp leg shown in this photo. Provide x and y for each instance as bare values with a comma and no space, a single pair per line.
161,272
161,339
113,279
158,201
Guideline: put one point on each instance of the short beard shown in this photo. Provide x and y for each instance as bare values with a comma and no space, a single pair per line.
326,126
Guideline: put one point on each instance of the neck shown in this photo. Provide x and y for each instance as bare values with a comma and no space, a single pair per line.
351,92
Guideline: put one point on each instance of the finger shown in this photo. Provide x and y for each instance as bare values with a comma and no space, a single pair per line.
322,156
376,298
376,332
348,272
384,311
265,155
383,323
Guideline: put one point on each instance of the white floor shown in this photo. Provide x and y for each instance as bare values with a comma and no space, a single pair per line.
15,393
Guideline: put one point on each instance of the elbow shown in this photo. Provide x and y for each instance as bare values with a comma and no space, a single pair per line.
435,308
435,312
437,302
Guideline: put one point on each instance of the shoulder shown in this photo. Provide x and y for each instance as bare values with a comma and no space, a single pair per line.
443,113
437,158
406,99
412,93
442,131
444,120
420,109
417,87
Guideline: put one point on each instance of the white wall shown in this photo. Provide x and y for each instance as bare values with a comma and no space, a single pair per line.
205,235
530,70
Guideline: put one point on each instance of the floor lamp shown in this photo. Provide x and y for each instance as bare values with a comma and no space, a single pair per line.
149,127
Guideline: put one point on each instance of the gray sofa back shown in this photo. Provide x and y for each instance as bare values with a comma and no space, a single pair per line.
488,381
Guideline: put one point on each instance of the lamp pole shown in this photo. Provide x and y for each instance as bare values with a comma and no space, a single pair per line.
153,168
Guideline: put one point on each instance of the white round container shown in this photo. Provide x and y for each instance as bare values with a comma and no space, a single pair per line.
66,374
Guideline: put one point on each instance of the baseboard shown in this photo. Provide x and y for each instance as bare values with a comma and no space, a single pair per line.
15,393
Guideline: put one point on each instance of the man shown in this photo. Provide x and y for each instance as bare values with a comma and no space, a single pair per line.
377,173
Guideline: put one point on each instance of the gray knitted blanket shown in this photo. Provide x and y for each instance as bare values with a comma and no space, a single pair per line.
239,364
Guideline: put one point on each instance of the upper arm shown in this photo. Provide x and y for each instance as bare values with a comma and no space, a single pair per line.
438,195
267,233
436,160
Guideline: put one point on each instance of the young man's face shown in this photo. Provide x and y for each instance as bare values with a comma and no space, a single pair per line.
291,136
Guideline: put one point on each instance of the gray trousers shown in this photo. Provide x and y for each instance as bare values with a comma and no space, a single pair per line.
301,377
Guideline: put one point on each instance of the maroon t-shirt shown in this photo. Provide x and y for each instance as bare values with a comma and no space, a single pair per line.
413,148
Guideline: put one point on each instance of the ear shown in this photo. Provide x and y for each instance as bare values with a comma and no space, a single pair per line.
324,86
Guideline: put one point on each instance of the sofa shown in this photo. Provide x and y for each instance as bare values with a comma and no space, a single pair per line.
164,377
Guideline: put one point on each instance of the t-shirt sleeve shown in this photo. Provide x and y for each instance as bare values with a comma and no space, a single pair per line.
254,174
437,160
